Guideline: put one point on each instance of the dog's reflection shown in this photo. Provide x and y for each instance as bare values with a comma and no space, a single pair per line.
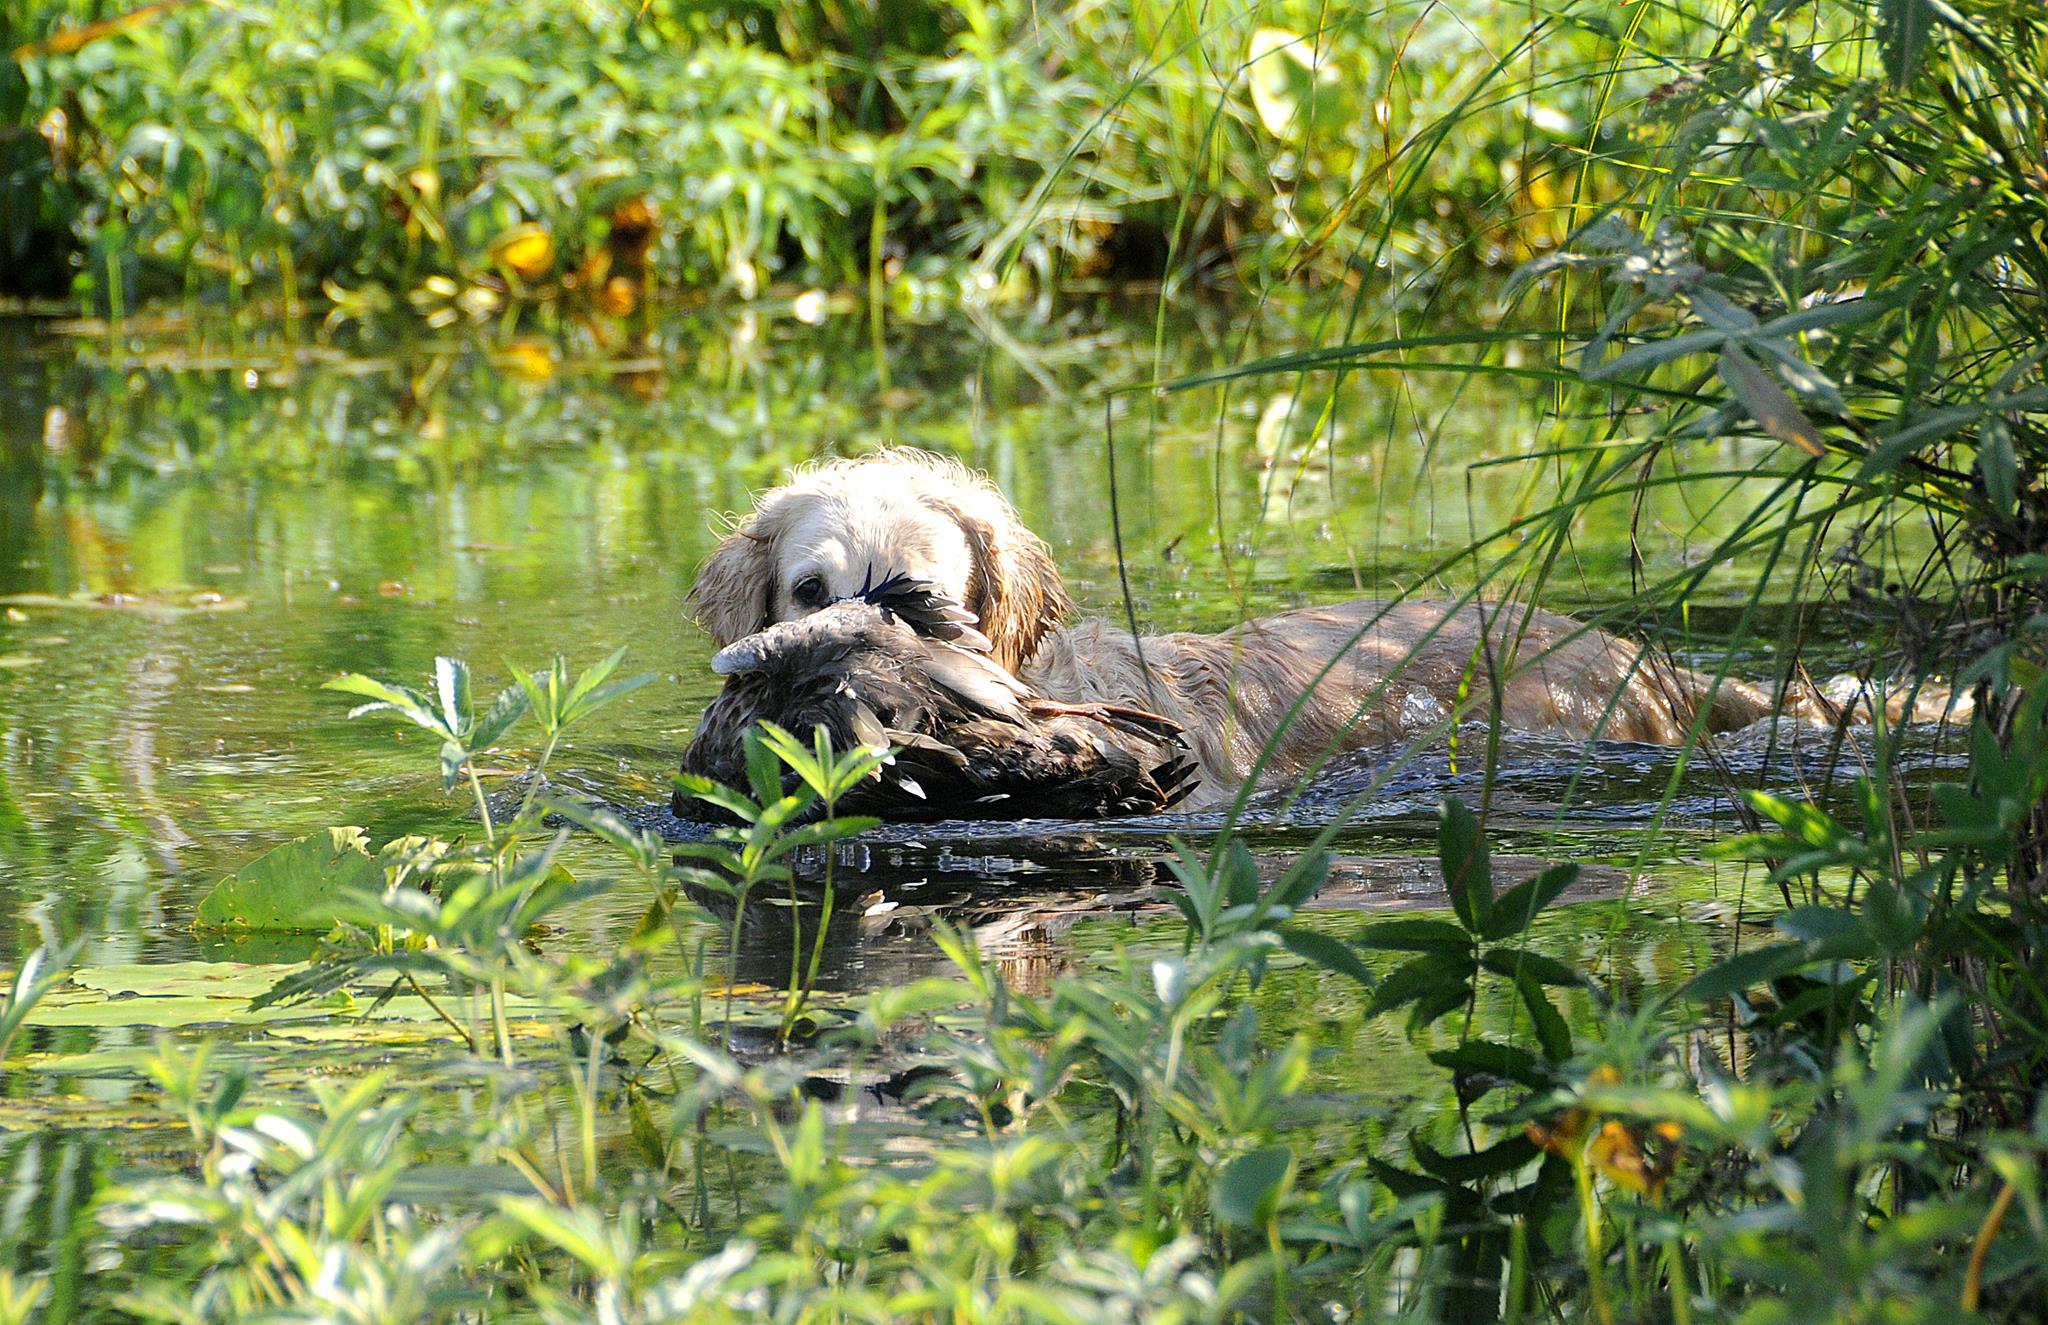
886,896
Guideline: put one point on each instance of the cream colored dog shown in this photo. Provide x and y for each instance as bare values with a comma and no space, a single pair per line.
1310,683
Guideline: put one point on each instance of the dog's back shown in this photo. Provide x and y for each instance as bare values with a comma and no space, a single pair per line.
1371,673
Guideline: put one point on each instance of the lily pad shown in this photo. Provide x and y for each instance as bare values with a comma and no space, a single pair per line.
155,608
173,994
296,887
236,980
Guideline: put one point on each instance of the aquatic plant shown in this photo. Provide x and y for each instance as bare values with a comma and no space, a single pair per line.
1807,1129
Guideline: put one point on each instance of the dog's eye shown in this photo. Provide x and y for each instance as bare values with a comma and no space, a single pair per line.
808,592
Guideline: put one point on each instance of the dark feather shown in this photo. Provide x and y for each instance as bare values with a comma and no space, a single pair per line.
901,665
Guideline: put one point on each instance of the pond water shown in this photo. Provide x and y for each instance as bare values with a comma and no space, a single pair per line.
200,524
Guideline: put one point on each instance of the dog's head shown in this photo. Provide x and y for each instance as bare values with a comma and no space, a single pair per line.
839,528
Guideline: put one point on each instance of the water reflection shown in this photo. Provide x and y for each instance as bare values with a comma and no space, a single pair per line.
200,524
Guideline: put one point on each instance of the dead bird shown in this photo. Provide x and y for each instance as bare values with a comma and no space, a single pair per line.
901,664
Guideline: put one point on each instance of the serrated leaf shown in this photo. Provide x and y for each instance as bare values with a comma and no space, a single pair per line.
1332,954
451,685
1467,868
1417,978
1487,1058
1519,905
1303,880
1805,822
594,676
1503,1156
1436,1001
506,709
1514,963
403,700
1239,874
1552,1034
1416,936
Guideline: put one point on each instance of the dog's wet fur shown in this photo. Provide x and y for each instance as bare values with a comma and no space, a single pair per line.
1312,683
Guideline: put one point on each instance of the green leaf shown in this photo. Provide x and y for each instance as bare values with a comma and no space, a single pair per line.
1418,978
1416,936
588,683
1332,954
1827,931
403,700
1893,914
1239,874
642,845
1909,433
1485,1058
1902,37
715,793
506,709
1251,1187
1768,403
1437,1001
1504,1156
1554,1037
1517,962
1803,821
1836,312
1744,970
1650,354
294,887
1461,851
1515,908
1303,880
764,770
580,1231
1997,466
1719,312
451,684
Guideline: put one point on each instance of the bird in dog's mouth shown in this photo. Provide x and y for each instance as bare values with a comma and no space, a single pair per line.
902,665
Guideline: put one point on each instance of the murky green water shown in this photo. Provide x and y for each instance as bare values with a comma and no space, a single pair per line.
198,528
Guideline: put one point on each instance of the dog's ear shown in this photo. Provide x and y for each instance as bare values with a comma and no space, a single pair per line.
730,597
1016,592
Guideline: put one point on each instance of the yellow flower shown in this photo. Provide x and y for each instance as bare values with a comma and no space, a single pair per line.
618,296
526,250
1620,1153
529,358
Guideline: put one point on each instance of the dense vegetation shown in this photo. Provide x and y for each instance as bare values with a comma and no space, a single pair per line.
1818,229
458,159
